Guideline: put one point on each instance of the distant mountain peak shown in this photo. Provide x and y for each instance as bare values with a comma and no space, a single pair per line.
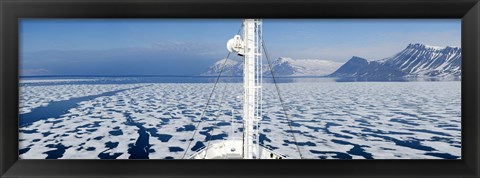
351,67
232,68
357,58
281,60
228,62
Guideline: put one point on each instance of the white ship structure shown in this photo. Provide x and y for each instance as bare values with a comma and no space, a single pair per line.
248,45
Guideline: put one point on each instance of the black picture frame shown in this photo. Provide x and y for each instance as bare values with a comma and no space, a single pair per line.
466,10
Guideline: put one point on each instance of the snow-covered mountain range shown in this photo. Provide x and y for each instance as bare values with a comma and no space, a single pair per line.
415,61
283,66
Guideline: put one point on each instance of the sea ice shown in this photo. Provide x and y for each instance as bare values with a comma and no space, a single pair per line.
364,120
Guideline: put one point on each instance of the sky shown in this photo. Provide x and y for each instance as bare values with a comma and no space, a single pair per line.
189,46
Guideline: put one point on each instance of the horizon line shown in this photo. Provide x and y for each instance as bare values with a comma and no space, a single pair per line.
199,76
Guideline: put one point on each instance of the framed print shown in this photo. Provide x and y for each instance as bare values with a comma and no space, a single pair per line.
293,89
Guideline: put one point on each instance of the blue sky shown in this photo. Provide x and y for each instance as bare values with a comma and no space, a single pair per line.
189,46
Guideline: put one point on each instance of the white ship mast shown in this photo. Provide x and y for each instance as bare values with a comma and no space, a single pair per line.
250,46
252,85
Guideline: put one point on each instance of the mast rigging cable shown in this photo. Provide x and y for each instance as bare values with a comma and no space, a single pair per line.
281,98
209,98
222,97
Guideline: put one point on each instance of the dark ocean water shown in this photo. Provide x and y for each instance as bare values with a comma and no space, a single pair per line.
62,80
